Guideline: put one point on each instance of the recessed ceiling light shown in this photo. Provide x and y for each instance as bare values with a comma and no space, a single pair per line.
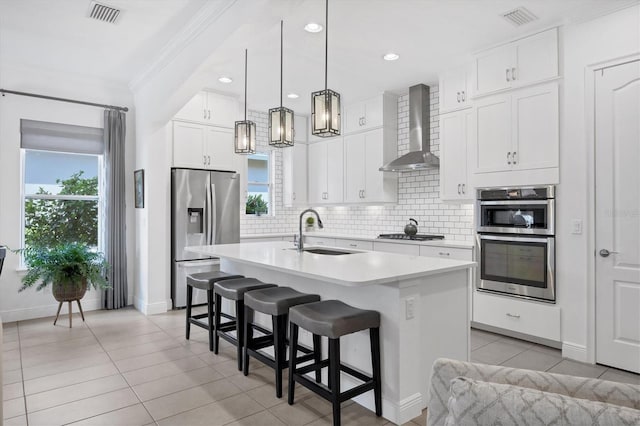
313,27
225,80
293,96
391,57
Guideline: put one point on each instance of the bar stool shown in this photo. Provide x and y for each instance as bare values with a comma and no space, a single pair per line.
275,302
204,281
233,290
333,319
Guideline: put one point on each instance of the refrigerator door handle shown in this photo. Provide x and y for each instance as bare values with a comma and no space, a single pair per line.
213,215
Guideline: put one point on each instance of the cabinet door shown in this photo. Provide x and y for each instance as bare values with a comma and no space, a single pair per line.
492,134
535,127
353,117
493,70
300,133
195,109
189,145
222,110
536,58
453,156
317,160
453,90
354,170
219,149
373,112
335,171
374,188
294,183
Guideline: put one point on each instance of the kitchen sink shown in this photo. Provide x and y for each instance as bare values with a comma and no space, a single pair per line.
326,251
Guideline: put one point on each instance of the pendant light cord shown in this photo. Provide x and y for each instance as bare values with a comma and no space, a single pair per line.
245,84
281,60
326,43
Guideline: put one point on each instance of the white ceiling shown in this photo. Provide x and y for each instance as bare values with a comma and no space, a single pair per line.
429,35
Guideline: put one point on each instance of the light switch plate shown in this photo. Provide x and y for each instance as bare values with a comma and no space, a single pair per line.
576,226
410,308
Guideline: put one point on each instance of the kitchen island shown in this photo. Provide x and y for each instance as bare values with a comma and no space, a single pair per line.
424,305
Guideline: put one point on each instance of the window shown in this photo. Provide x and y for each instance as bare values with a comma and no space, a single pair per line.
259,188
62,176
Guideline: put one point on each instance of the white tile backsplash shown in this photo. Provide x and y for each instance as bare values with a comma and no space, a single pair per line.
418,195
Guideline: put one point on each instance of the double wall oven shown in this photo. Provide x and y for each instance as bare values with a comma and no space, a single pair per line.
516,240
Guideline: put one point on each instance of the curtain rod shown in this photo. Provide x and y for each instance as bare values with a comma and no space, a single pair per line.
53,98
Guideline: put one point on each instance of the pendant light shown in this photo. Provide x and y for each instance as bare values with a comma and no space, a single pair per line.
245,131
325,104
281,118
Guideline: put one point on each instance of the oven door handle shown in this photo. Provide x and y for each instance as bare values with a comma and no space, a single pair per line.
514,238
512,202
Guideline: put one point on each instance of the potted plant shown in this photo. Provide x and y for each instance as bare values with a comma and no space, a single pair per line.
70,268
310,223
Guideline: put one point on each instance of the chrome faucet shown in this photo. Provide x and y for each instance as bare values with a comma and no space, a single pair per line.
300,243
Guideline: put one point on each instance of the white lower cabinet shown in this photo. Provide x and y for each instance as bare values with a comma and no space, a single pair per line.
447,252
409,249
519,315
354,244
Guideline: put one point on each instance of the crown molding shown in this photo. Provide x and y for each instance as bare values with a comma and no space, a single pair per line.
207,15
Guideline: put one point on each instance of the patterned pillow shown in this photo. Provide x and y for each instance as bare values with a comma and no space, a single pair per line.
483,403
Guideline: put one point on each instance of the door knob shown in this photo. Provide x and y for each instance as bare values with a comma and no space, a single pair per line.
606,253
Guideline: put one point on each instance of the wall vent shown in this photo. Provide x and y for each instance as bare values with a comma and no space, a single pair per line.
103,13
519,16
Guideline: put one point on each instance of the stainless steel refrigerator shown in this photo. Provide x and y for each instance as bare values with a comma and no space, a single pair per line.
205,210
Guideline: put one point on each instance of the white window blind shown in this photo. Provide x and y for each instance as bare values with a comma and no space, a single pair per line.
46,136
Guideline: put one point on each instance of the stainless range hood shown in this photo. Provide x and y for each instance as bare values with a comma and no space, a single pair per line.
419,156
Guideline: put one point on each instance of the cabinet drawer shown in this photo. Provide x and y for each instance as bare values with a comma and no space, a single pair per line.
523,316
447,253
410,249
354,244
319,241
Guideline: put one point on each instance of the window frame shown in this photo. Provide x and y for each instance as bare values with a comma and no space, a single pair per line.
24,197
269,184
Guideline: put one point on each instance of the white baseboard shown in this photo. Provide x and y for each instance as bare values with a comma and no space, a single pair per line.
48,310
151,308
574,351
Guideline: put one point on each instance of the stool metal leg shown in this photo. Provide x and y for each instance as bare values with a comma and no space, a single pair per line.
279,348
334,374
374,334
317,356
189,301
248,340
216,321
293,350
239,331
210,318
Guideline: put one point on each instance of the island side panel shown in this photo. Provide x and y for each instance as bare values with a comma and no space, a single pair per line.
355,348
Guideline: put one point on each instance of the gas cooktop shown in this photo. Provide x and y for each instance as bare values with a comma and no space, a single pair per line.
417,237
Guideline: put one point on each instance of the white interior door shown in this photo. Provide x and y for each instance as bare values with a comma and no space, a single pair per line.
617,139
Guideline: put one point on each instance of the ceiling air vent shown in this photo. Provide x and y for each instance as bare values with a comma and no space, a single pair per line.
519,16
103,13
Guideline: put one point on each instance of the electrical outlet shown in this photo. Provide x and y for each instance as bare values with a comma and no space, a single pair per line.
410,308
576,226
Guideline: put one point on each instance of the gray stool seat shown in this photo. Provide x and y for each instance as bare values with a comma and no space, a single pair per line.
206,280
277,300
236,288
333,318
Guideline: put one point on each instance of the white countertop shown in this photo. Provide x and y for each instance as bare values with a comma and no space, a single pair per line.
323,234
359,268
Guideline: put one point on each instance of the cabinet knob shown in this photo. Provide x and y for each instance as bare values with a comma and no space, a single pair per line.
464,190
293,195
204,111
513,315
444,253
513,157
513,73
458,97
204,160
507,74
509,157
353,245
463,96
458,189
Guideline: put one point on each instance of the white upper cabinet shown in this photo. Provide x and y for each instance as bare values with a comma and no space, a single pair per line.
364,153
210,108
522,62
294,183
454,90
455,129
202,147
326,173
370,113
516,131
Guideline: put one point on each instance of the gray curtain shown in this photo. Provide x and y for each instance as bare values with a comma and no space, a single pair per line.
115,213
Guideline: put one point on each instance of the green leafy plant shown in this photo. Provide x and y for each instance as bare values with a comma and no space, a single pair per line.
256,205
310,221
64,264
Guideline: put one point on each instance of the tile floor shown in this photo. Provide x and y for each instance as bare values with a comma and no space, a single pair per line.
122,368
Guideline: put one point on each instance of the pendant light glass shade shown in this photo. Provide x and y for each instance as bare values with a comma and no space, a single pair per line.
281,130
245,130
325,104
